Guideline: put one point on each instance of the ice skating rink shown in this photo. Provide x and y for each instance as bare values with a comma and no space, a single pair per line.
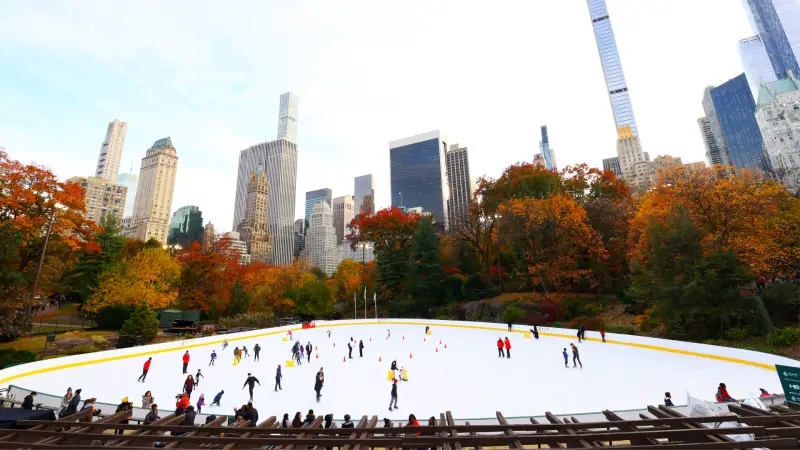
464,376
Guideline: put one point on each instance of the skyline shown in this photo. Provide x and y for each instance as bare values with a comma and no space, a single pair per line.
179,74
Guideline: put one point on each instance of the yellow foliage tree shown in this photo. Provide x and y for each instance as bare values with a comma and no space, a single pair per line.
347,279
148,277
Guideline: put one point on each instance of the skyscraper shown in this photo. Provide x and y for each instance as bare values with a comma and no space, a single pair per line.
730,107
287,117
547,152
186,227
364,198
460,185
635,166
418,176
612,164
279,157
321,239
314,197
715,154
777,24
129,180
299,237
612,66
757,66
102,198
778,117
255,228
153,203
111,151
343,213
209,236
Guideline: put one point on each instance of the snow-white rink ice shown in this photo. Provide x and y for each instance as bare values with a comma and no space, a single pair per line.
467,377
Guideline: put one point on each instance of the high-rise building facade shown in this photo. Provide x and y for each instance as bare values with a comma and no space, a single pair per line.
186,227
636,168
364,198
209,236
612,164
287,117
153,204
547,152
731,108
757,66
460,185
238,247
715,154
538,161
418,175
777,24
102,198
778,117
279,157
255,228
314,197
321,239
343,214
129,180
299,236
111,151
612,66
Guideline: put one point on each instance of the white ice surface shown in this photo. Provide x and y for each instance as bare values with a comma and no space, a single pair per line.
466,378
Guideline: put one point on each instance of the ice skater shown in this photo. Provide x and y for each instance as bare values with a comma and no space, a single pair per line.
302,352
349,350
197,378
329,334
500,346
427,330
185,362
237,354
393,368
246,353
256,351
603,334
579,337
318,381
213,358
200,403
224,344
576,356
251,383
508,348
566,358
217,398
145,369
308,350
583,332
361,349
388,333
278,378
188,386
290,335
393,400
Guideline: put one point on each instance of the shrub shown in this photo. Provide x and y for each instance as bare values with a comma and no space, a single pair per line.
557,324
113,317
784,337
11,357
590,323
512,314
143,322
621,330
593,309
550,310
81,349
249,320
99,340
738,334
574,307
13,324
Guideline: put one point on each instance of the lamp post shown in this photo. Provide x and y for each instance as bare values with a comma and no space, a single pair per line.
56,207
497,218
364,246
401,199
172,248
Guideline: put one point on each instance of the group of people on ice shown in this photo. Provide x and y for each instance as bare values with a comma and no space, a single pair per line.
299,352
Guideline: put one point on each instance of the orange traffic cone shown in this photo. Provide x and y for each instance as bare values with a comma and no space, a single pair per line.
379,359
425,339
370,339
445,345
316,347
404,338
344,359
440,342
317,355
334,344
437,349
410,356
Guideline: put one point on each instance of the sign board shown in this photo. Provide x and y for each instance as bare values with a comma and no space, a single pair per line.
790,381
50,337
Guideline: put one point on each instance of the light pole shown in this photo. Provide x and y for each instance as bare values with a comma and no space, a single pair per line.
172,248
364,246
401,199
56,207
497,218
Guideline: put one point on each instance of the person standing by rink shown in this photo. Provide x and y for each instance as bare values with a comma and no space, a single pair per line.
500,346
508,348
185,362
213,358
251,383
579,337
256,351
393,400
318,381
575,356
360,348
145,370
349,350
308,350
278,378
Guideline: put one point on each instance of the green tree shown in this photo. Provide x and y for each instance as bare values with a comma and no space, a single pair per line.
84,276
425,273
143,322
512,314
240,300
314,299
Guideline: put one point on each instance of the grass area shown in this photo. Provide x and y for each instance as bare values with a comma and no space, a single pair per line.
35,343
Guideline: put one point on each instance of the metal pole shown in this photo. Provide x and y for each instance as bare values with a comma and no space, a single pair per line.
499,267
41,257
363,247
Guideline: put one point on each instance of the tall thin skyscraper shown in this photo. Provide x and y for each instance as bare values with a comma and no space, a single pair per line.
255,229
364,194
757,66
460,185
343,214
153,204
279,157
287,117
314,197
547,152
321,239
111,151
612,66
777,23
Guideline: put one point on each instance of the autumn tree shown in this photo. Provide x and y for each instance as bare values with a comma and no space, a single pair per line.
150,277
207,276
521,180
84,276
551,240
347,279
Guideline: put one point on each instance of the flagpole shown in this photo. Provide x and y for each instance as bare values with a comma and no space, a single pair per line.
365,302
375,300
355,308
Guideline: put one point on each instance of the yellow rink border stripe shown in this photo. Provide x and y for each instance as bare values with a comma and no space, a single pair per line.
331,325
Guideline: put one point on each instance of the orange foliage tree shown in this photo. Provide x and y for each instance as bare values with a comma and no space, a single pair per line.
207,275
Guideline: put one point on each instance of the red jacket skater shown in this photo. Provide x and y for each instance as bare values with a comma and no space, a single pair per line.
186,358
508,344
147,364
499,343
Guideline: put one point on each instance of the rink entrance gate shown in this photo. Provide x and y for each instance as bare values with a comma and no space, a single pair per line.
660,428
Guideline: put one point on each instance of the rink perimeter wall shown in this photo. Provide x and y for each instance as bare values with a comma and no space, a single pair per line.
15,376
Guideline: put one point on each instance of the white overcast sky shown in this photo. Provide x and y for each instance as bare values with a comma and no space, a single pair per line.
209,75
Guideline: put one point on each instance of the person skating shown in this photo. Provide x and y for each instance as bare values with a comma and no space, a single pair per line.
500,346
349,351
535,332
308,351
393,400
668,399
576,356
508,348
318,381
256,351
188,386
237,353
361,349
509,326
200,403
329,334
566,358
145,369
246,352
427,330
224,344
583,331
579,336
302,352
603,334
251,382
217,398
197,379
213,358
278,378
185,362
722,394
